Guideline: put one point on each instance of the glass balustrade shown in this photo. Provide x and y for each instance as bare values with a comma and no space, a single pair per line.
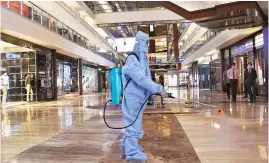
37,15
199,43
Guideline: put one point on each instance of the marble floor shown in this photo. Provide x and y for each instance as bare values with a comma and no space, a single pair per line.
71,129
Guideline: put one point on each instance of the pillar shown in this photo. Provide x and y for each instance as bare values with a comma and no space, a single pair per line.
222,63
265,50
254,52
100,80
175,41
54,75
230,56
80,89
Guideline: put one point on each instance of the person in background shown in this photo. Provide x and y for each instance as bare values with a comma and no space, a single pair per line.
251,82
232,74
245,83
227,82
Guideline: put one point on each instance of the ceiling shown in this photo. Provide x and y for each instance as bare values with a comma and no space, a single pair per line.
198,5
219,16
264,6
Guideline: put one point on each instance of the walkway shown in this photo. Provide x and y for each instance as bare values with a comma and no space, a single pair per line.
71,129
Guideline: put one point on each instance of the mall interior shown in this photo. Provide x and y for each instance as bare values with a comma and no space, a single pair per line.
56,58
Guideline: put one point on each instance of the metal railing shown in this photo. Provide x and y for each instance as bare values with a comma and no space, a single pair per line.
122,6
39,16
199,43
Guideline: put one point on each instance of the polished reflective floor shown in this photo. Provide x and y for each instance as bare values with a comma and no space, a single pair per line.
71,129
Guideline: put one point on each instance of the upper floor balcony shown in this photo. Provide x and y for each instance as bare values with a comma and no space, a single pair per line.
35,14
121,6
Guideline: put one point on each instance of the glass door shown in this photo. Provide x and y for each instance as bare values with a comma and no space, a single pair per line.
260,69
215,75
60,76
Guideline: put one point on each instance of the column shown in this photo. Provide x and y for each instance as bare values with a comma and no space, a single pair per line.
265,50
230,56
254,51
54,75
222,63
80,89
100,80
175,40
175,43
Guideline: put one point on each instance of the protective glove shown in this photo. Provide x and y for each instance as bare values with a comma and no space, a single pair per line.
164,94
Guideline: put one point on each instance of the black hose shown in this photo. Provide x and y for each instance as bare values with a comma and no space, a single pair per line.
104,115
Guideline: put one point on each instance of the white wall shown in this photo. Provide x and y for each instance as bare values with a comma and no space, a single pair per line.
136,16
18,26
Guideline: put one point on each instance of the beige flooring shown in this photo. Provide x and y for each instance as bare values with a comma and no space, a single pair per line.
240,135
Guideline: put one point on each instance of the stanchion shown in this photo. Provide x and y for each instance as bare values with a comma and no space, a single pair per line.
188,102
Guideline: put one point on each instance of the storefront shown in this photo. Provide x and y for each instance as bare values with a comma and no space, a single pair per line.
67,74
28,70
250,49
215,72
89,78
260,64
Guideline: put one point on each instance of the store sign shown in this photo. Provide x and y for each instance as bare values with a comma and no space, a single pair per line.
25,44
242,49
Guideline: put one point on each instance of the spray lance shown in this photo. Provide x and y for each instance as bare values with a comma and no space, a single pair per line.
118,90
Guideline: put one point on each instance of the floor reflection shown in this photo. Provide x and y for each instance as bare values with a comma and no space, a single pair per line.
240,133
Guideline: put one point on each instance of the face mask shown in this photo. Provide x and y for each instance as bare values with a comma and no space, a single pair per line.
249,66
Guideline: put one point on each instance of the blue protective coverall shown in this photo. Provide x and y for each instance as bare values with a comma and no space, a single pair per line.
138,90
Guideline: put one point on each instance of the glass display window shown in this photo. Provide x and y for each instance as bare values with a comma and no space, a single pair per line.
260,69
44,75
89,79
67,76
18,65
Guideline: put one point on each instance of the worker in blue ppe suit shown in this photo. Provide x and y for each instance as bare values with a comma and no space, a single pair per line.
136,93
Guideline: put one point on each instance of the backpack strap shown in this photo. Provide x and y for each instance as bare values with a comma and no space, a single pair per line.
133,53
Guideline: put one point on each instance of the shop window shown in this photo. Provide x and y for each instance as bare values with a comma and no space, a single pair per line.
70,34
66,75
4,3
260,69
75,37
59,28
65,31
52,24
15,6
78,39
18,66
37,15
26,11
45,20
